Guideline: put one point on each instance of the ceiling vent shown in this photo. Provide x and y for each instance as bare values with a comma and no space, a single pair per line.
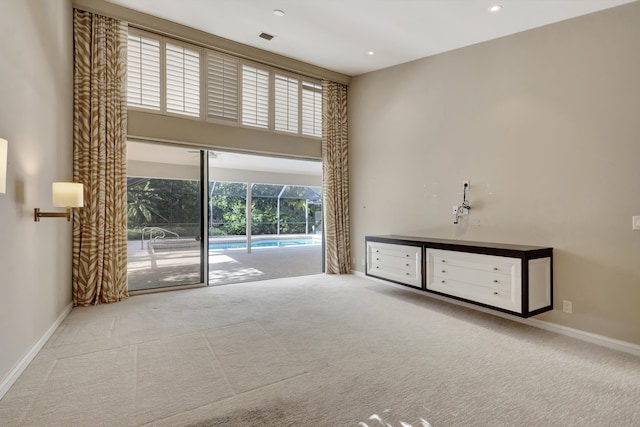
265,36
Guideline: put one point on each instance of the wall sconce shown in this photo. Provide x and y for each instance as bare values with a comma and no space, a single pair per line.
3,165
65,195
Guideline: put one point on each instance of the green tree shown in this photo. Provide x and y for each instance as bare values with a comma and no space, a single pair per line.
228,208
142,206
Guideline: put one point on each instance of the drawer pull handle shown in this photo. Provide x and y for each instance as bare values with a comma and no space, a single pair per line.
444,260
408,255
444,281
495,281
377,251
495,268
407,274
407,265
495,293
444,271
377,266
377,259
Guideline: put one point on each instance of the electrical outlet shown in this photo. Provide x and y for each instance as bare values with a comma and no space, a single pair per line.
455,209
567,306
635,223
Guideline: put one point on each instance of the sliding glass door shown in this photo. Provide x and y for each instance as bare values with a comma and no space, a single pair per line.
265,218
262,216
164,200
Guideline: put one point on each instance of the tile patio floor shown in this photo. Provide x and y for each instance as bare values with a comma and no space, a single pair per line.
152,269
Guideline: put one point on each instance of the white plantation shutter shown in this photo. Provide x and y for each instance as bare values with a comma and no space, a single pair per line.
172,77
255,96
183,80
311,109
286,103
143,71
222,88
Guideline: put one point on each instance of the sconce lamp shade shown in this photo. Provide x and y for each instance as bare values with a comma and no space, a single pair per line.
3,165
67,195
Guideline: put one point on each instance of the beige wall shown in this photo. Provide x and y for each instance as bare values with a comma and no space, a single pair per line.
545,125
145,126
36,117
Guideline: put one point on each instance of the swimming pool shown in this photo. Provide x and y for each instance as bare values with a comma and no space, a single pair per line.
265,243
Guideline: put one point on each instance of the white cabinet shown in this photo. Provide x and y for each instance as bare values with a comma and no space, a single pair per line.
487,279
511,278
400,263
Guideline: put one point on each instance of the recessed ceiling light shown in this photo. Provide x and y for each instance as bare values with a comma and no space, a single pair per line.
278,12
495,8
371,52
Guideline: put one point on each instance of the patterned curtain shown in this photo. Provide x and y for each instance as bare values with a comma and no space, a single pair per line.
335,178
99,159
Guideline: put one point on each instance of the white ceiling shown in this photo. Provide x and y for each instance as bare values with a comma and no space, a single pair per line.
338,34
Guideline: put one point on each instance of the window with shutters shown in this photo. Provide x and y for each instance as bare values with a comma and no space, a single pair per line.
286,103
255,96
143,71
182,80
311,109
222,88
165,75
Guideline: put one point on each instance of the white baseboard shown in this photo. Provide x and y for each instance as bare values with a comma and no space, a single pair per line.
22,364
601,340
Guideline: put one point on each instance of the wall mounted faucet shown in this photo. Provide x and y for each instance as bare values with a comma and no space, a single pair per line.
464,208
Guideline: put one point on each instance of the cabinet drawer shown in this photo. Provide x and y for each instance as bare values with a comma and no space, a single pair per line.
506,299
398,251
490,263
486,279
403,275
399,263
394,262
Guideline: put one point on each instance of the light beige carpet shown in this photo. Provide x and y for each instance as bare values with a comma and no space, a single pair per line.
315,351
